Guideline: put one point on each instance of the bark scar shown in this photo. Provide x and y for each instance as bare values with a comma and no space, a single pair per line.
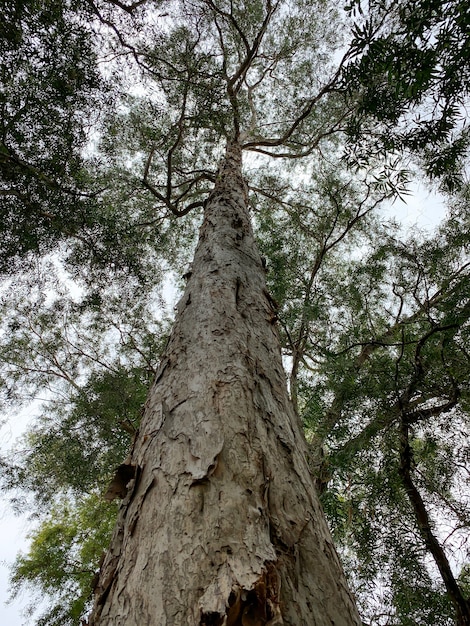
237,291
258,606
118,487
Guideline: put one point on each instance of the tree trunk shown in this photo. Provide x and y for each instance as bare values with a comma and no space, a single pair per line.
221,524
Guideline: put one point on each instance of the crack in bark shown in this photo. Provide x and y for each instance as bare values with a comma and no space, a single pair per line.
238,285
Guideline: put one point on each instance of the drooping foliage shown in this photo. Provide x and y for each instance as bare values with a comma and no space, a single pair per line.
410,78
113,119
62,558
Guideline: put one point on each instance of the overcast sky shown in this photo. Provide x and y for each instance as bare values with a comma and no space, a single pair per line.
12,539
13,529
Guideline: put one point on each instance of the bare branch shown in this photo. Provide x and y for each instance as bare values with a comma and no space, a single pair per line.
128,8
257,144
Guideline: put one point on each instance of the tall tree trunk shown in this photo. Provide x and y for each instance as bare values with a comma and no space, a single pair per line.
221,524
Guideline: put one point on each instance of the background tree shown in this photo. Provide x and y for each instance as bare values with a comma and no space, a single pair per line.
400,387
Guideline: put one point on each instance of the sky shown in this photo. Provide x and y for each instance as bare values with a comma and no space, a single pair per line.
13,529
12,534
422,208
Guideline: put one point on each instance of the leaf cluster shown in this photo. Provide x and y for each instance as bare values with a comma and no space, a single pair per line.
63,557
410,79
49,89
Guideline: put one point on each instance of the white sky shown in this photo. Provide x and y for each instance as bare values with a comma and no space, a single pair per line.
13,529
12,540
424,208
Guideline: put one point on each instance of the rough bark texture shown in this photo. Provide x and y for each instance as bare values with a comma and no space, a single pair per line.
221,525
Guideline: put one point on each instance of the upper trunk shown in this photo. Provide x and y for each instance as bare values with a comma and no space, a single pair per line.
221,524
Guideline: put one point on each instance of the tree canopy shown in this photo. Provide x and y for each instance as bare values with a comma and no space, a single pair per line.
410,78
114,117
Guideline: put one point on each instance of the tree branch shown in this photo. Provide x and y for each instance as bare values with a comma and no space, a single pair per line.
128,8
257,144
462,606
240,74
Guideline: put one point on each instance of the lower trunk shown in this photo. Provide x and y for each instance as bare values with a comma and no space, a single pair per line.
221,524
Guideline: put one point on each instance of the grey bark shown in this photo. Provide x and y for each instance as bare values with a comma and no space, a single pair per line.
221,524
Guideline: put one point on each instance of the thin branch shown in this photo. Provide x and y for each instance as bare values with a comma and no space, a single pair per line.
307,110
137,55
240,74
128,8
230,18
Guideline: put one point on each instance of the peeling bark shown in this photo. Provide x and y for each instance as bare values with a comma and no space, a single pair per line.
221,525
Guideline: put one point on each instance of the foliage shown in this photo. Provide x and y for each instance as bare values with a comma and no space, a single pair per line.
396,354
410,79
63,557
55,186
113,118
50,85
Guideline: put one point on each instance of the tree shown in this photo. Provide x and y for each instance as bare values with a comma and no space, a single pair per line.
235,537
217,75
372,338
259,540
397,381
